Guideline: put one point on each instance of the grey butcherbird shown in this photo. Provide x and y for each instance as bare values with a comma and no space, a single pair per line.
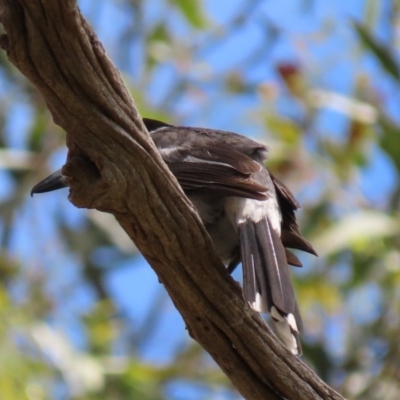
249,214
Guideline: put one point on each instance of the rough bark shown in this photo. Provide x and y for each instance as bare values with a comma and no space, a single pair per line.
114,167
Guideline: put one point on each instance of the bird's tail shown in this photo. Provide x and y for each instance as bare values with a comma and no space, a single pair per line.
267,283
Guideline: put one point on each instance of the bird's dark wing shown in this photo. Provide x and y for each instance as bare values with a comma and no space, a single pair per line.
206,162
215,179
220,153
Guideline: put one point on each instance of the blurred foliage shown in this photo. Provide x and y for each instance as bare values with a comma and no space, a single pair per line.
325,99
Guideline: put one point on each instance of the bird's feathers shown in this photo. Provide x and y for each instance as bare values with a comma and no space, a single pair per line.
215,178
267,283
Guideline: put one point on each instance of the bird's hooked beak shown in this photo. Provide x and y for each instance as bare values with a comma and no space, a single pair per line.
53,182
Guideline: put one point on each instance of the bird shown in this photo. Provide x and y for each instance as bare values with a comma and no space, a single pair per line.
248,213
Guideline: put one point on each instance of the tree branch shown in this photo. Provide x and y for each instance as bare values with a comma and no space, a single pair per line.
116,168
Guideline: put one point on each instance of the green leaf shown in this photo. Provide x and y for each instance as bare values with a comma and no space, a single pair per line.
159,33
390,139
192,11
382,52
37,129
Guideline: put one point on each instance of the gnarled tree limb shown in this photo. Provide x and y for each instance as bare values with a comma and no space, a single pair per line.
116,168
